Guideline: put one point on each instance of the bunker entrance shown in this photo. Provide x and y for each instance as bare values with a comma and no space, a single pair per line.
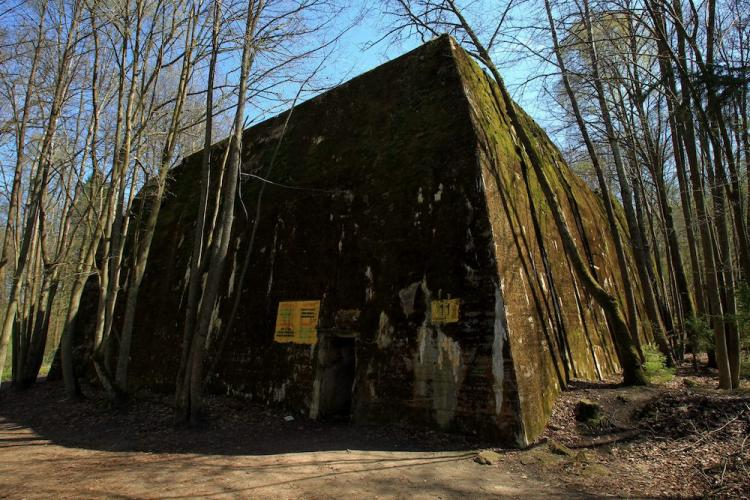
336,365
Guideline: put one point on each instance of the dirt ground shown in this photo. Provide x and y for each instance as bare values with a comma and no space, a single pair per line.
679,439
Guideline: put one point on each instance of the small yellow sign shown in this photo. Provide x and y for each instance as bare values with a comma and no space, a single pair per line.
445,311
297,322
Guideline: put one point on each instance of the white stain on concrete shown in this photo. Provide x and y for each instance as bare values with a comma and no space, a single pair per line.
370,290
385,331
279,393
500,335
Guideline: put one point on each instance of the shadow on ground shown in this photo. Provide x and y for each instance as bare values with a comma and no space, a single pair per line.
235,428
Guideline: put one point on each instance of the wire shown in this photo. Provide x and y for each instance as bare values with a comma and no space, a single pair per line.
298,188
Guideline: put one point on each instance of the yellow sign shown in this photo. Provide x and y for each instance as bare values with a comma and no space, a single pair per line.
445,311
297,322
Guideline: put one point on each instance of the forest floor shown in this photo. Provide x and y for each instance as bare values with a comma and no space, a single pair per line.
681,438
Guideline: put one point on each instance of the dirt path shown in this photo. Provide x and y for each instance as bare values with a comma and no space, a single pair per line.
53,448
686,439
32,467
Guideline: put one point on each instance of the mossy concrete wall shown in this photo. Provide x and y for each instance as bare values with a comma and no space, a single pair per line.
555,329
403,186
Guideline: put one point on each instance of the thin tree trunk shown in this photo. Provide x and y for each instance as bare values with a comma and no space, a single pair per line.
219,249
595,160
197,264
143,247
685,114
67,338
633,373
716,122
636,236
114,243
9,255
38,192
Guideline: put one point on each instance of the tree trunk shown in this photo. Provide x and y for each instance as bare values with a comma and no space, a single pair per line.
633,373
9,257
38,190
220,247
685,118
197,264
143,246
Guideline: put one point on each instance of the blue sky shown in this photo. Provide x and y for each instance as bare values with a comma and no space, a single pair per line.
372,28
356,55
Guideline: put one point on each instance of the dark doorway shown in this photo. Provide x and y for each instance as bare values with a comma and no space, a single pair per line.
336,365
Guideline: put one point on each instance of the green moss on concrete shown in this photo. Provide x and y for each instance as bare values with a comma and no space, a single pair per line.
407,186
579,345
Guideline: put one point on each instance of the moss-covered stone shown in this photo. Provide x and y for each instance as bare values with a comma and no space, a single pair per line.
587,411
399,188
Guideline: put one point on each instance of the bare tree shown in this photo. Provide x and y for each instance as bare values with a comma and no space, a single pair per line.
217,252
143,242
434,16
34,229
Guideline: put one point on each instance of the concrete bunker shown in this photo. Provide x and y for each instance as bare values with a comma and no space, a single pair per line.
416,276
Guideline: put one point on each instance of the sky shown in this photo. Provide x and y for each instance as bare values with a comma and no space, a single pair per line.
356,54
